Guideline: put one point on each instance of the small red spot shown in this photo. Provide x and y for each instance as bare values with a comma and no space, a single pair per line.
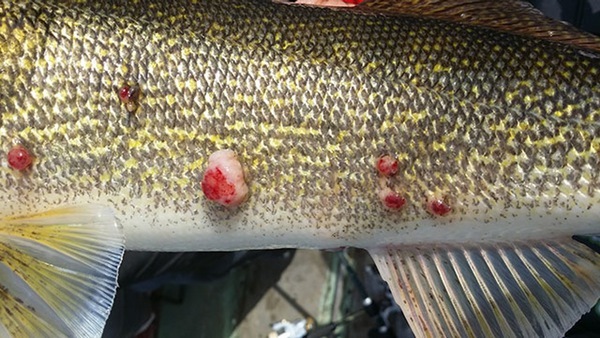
393,200
216,187
439,207
125,94
354,2
387,166
19,158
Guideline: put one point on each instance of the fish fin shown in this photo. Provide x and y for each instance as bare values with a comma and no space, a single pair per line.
58,272
513,16
533,289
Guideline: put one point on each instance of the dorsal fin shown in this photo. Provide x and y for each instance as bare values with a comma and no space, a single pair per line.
513,16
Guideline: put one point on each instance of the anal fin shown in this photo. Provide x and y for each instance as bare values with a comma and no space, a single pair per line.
533,289
58,272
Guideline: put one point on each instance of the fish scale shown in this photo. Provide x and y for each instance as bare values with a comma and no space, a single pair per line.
500,131
344,88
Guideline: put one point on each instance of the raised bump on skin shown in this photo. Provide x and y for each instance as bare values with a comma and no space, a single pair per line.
223,180
19,158
391,199
130,95
386,165
438,207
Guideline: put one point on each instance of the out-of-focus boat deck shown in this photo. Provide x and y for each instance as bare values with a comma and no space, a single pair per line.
314,287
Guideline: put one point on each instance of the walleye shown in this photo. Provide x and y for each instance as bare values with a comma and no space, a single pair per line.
110,113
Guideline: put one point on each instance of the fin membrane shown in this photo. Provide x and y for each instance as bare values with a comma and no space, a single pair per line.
533,289
514,16
58,272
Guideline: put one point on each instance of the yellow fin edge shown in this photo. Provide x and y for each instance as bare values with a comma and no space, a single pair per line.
58,271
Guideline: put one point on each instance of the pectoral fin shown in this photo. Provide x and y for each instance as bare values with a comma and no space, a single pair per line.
58,272
533,289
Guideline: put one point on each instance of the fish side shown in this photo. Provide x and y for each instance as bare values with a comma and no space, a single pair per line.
112,112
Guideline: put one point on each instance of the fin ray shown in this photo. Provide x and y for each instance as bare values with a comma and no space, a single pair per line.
60,270
513,16
504,289
498,284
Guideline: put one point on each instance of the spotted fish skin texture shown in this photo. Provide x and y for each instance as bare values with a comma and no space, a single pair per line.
505,129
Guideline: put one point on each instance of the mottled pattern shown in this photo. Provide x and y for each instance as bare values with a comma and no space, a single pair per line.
308,98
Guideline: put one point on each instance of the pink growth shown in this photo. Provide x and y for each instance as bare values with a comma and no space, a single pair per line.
19,158
387,166
223,180
391,199
439,207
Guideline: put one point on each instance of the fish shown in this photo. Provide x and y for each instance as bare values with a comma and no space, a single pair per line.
462,156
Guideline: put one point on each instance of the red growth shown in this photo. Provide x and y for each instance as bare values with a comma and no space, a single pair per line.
354,2
394,201
19,158
223,180
129,95
439,207
391,199
387,166
125,94
216,187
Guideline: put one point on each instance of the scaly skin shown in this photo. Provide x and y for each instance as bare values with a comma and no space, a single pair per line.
506,129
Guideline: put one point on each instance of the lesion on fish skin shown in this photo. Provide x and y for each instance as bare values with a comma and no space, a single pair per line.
292,128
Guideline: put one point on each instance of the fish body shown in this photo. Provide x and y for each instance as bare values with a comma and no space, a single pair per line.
504,126
504,129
